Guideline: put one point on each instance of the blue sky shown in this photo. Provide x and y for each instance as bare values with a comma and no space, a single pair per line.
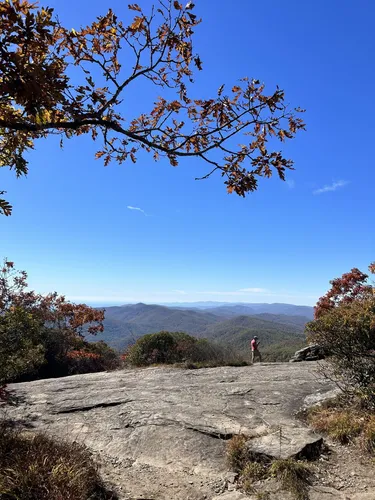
73,229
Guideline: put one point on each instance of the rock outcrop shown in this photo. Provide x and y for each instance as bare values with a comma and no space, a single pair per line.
161,433
312,352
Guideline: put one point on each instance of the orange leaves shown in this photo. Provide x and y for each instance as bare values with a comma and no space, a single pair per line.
232,134
137,24
174,106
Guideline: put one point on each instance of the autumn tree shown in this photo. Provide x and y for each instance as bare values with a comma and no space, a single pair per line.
37,329
230,132
344,326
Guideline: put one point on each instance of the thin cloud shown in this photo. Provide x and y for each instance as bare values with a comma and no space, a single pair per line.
138,209
291,184
181,292
332,187
253,290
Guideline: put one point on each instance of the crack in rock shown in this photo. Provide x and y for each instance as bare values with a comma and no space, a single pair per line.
93,407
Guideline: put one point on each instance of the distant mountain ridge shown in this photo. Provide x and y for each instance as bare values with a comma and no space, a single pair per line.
234,325
247,308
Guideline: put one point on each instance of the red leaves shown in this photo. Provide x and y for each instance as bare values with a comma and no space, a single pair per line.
52,309
350,287
177,5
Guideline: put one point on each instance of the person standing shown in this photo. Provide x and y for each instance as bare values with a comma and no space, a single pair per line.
255,349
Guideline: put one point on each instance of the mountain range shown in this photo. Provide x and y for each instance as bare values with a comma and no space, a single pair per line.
233,324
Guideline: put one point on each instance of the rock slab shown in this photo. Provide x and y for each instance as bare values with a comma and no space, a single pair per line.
161,433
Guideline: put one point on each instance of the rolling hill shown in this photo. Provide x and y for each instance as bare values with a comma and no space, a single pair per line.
238,331
124,324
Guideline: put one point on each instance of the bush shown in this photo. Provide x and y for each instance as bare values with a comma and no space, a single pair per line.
162,347
178,347
344,326
37,332
92,357
347,335
35,467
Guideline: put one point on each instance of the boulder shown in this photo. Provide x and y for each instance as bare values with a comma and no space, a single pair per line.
312,352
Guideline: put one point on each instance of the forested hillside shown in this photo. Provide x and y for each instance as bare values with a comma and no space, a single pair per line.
124,324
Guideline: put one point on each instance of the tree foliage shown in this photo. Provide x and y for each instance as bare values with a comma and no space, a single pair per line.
38,332
344,326
230,132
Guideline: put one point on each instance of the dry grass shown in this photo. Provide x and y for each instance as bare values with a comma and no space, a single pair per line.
294,476
367,439
253,471
35,467
237,453
339,424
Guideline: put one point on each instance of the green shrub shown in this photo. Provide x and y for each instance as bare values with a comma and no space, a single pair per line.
178,347
35,467
162,347
21,346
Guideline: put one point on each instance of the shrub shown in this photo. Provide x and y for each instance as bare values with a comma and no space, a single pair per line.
178,347
35,467
42,336
21,347
344,326
162,347
92,357
294,476
340,424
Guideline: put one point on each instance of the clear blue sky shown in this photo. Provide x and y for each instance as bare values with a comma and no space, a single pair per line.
73,233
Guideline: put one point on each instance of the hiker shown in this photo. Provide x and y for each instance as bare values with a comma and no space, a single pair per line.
254,349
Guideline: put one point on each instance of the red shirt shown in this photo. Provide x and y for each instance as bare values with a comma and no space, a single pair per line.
254,345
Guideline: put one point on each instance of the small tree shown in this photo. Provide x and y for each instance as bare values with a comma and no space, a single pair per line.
229,132
344,326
